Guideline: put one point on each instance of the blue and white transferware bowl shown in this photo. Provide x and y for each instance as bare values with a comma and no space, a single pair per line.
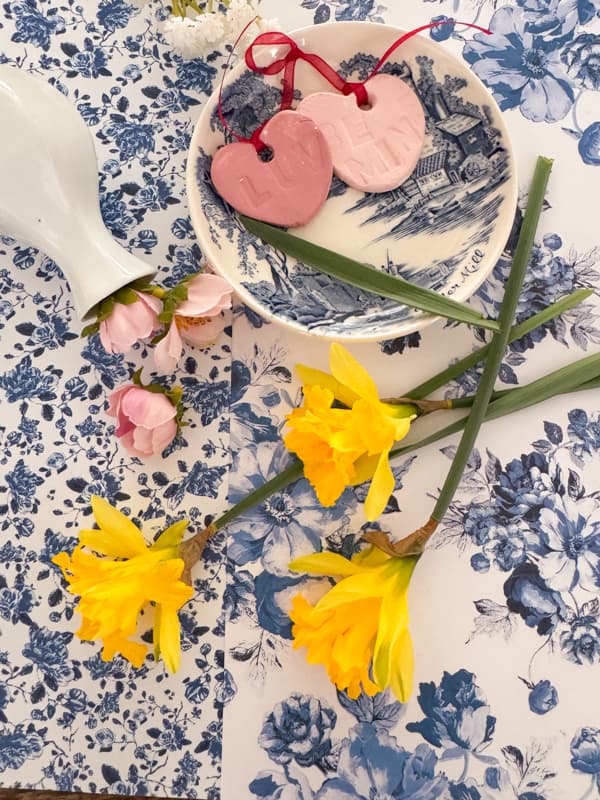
443,228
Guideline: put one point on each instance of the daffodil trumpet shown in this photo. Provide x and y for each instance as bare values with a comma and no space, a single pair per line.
343,446
359,629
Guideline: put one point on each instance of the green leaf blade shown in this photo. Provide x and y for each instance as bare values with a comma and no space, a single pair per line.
517,332
366,277
498,344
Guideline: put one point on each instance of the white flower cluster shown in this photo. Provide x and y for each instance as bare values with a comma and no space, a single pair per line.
201,34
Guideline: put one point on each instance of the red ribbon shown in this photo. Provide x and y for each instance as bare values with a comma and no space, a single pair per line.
287,64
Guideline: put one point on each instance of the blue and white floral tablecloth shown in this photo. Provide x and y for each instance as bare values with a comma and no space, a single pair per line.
504,605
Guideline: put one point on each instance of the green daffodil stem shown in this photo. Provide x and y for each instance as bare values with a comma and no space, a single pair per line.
415,542
516,332
582,375
289,475
191,550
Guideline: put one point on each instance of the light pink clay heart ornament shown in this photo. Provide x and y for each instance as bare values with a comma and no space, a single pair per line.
287,190
374,149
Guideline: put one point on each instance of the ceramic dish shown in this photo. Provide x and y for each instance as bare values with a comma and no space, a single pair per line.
443,228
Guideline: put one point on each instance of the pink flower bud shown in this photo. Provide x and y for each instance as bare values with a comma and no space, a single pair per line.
145,420
197,320
130,322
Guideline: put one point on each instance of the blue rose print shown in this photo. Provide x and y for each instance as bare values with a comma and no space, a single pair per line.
32,27
582,59
589,144
195,74
298,729
134,140
274,600
580,642
19,745
373,765
442,32
89,62
47,650
528,594
522,67
22,483
477,522
24,381
455,713
584,434
543,697
114,14
354,9
525,486
505,545
585,751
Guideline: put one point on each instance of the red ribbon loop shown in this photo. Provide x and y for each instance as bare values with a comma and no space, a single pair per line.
288,64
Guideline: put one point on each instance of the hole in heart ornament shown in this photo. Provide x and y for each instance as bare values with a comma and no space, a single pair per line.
376,147
290,187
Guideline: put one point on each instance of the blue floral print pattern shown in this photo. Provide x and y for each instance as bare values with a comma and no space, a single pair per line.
541,530
523,535
68,720
542,58
370,762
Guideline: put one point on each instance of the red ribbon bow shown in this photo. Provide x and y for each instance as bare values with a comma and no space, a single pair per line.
287,64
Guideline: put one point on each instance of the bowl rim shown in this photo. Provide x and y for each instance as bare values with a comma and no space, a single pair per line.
420,320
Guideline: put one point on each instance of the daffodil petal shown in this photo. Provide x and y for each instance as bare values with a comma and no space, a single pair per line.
108,543
347,370
170,638
156,631
371,557
132,651
113,522
382,486
402,426
393,656
366,584
172,536
364,469
325,564
316,377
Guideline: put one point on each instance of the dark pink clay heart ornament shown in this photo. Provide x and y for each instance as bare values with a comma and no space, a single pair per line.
374,149
287,190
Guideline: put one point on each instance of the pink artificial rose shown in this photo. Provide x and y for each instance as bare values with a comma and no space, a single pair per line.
146,420
130,322
197,320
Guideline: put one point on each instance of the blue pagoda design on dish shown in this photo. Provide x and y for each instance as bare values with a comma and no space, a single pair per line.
462,163
459,177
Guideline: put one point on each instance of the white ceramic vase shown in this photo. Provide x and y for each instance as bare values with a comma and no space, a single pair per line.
49,189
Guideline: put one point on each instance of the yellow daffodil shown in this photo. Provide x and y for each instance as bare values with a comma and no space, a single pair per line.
345,446
113,590
359,629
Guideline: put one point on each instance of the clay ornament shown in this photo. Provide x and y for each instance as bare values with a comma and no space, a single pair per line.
290,187
374,148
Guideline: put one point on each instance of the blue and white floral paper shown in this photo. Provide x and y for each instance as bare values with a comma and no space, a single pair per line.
505,603
68,720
